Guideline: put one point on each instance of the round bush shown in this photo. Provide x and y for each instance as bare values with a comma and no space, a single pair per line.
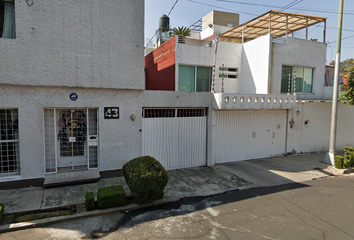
146,178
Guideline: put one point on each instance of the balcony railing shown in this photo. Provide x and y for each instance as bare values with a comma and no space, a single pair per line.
196,42
226,101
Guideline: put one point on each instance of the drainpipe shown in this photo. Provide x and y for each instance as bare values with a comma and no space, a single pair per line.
329,158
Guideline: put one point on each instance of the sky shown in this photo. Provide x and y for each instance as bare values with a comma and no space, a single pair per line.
187,12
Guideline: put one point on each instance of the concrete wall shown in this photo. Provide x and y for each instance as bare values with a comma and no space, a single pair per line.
94,43
220,18
160,67
229,54
314,136
299,52
119,139
255,65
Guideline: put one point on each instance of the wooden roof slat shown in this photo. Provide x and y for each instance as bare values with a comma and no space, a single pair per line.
260,25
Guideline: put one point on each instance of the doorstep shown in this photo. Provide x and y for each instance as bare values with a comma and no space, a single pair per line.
73,177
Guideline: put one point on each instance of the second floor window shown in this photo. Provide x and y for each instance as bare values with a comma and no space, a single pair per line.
194,79
7,19
297,79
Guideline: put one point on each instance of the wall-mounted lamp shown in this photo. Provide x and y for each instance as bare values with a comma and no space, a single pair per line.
133,117
210,25
297,113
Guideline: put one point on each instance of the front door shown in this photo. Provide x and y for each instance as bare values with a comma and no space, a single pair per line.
72,137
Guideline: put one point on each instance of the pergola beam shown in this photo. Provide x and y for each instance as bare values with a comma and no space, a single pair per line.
276,23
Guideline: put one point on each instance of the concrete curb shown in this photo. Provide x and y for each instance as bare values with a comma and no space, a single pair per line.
47,221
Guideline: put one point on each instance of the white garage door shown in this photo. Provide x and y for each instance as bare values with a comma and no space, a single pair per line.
175,137
242,135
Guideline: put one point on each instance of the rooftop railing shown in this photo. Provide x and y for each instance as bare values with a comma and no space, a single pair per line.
195,42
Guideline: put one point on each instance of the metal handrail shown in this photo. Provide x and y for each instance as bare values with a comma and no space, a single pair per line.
196,42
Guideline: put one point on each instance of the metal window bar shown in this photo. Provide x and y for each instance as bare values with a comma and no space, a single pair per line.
92,138
173,112
195,42
9,143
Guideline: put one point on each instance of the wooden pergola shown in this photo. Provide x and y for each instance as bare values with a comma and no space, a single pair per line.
277,23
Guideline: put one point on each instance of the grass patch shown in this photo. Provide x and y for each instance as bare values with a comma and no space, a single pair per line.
40,215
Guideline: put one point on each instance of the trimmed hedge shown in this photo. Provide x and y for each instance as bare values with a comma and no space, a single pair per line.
146,178
2,209
348,160
90,201
113,196
338,162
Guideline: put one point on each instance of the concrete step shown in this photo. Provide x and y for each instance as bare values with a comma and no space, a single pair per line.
69,178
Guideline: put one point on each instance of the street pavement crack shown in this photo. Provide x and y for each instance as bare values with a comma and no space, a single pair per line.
308,212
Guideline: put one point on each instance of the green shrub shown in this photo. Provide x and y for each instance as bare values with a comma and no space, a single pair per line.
90,201
348,149
146,178
113,196
2,208
338,162
348,161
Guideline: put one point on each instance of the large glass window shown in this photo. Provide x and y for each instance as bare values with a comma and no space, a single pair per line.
296,79
9,143
7,19
186,82
193,78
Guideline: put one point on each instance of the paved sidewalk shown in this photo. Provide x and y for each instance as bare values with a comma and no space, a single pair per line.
190,182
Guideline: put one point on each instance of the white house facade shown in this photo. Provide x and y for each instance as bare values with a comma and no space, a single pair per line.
74,105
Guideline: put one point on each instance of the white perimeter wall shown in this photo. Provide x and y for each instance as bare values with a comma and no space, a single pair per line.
299,52
119,139
315,135
229,54
96,44
255,65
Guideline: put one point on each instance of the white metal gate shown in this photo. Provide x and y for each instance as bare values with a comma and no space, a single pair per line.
175,137
242,135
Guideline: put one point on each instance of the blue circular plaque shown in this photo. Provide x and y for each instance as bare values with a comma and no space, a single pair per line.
74,97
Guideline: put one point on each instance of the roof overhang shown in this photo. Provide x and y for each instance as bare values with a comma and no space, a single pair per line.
277,23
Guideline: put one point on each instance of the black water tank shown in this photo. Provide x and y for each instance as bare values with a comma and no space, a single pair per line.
164,23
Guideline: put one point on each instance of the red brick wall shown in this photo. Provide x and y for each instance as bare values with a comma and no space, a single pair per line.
160,67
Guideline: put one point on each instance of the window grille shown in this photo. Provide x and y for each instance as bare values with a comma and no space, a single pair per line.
174,112
228,72
9,143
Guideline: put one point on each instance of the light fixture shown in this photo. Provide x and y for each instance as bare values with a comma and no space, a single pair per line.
210,25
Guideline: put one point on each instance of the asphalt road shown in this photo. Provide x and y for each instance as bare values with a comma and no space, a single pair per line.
317,209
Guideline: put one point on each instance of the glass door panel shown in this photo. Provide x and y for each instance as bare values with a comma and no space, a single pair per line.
72,140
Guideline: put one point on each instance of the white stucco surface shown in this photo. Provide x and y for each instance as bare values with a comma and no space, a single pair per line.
229,54
255,65
314,136
94,44
119,139
299,52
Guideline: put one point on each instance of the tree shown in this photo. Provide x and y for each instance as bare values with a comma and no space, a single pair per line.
348,95
180,31
344,65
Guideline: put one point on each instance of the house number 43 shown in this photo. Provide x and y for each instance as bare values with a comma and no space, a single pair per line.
111,112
